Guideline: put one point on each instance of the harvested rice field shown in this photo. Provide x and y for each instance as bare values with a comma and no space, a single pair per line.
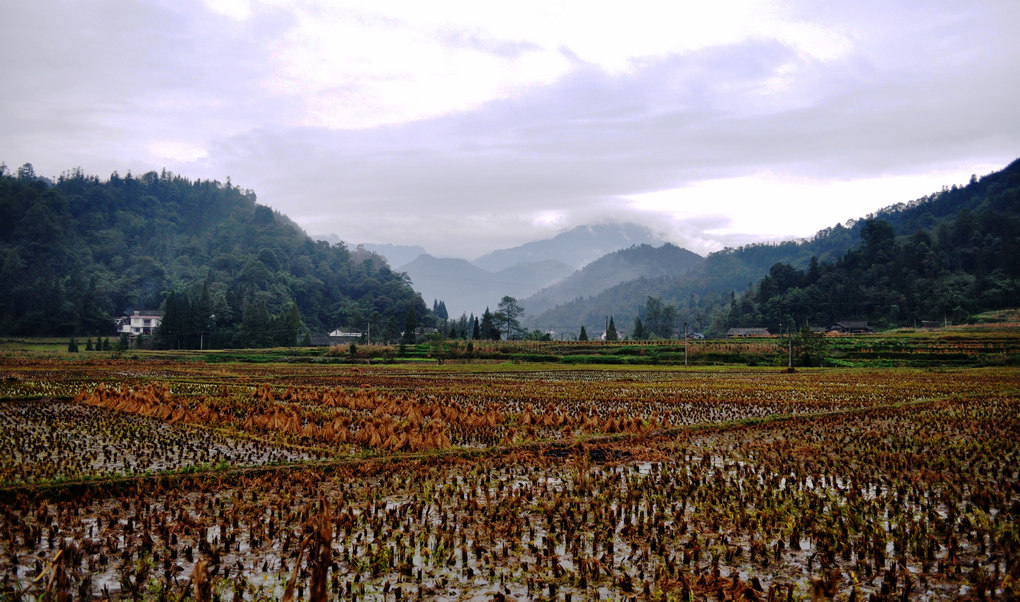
173,480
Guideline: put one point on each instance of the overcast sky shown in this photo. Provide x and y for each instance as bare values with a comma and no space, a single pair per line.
470,126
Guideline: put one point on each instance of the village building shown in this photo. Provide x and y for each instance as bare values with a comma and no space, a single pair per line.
335,337
140,322
851,327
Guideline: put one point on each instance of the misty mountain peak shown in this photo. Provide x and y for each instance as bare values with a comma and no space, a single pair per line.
576,247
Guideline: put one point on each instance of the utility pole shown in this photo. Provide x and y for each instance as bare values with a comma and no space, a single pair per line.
685,343
789,331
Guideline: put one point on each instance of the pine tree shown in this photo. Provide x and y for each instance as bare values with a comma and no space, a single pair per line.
639,331
611,334
584,334
88,344
488,327
72,346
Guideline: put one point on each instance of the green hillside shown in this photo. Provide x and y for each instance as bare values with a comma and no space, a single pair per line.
941,261
637,261
973,260
77,253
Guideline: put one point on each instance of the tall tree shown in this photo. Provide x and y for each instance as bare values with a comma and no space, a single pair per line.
660,318
584,334
638,333
508,315
175,328
488,327
441,311
611,334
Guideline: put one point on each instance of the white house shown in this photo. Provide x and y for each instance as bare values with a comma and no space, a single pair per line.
140,322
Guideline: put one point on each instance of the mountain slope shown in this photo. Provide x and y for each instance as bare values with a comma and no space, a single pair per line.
639,261
694,293
75,254
575,247
705,293
964,262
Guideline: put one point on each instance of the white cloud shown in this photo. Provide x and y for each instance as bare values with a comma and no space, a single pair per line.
775,206
360,65
176,150
548,219
467,126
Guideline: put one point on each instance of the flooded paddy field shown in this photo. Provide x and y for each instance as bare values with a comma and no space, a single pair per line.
508,483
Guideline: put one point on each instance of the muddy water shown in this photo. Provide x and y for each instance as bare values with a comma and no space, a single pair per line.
62,440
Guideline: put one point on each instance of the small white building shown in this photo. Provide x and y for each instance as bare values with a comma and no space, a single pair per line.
341,333
140,322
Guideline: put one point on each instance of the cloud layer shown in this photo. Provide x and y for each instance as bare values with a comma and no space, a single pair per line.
465,128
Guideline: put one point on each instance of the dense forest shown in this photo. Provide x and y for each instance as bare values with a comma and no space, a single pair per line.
76,253
960,259
940,257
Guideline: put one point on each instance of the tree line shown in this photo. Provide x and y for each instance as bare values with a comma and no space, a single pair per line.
966,266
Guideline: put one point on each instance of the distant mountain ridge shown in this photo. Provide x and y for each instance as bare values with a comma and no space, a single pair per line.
471,286
576,247
638,261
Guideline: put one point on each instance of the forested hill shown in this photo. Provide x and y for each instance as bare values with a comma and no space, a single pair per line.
944,258
621,266
705,295
77,253
697,292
